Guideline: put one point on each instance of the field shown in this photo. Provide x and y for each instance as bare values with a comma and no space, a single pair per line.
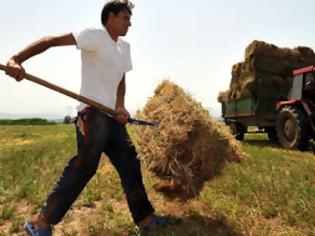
271,193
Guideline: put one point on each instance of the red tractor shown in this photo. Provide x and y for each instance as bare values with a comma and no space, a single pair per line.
296,115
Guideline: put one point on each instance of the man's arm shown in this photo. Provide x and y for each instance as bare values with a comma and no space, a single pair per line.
123,114
14,65
121,90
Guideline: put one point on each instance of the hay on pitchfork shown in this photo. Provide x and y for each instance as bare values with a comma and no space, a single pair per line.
188,147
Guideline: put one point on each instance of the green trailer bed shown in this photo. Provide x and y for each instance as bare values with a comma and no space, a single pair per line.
250,111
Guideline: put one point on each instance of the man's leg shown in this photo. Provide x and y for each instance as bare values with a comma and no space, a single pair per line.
91,141
123,156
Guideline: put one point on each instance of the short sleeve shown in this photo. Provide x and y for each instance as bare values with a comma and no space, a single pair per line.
128,58
86,39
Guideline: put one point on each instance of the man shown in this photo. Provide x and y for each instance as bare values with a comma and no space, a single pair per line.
105,60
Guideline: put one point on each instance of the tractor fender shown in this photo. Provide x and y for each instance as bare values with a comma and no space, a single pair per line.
280,104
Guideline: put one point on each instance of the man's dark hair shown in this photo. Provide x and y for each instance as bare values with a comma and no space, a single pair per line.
115,6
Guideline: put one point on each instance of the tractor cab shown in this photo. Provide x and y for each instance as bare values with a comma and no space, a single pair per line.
309,87
303,85
295,124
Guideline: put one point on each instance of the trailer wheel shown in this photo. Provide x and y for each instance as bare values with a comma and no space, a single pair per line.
237,131
291,127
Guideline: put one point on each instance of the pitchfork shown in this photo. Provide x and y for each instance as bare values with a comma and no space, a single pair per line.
80,98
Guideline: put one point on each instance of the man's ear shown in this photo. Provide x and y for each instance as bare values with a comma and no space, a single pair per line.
111,16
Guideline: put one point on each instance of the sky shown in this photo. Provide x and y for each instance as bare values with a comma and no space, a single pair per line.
192,43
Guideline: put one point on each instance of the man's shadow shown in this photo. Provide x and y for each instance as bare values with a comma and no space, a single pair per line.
193,224
196,224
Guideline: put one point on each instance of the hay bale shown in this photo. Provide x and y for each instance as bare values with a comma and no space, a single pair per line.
223,96
282,61
266,84
188,147
267,70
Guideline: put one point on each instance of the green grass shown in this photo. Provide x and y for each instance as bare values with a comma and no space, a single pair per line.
31,121
271,186
272,192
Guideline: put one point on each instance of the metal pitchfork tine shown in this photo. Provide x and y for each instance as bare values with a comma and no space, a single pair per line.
141,122
80,98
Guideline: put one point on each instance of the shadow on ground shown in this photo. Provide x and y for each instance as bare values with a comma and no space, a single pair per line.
200,225
193,225
262,143
267,143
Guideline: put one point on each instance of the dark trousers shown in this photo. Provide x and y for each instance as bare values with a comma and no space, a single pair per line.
101,134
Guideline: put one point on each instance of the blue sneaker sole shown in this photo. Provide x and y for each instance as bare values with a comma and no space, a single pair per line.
28,227
31,231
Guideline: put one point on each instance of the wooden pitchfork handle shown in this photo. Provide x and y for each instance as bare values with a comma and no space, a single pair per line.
80,98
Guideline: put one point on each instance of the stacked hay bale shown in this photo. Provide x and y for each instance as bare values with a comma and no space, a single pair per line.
266,71
188,147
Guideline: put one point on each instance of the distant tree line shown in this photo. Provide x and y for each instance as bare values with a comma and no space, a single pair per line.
30,121
67,120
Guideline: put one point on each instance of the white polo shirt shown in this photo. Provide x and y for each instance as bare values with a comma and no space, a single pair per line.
104,63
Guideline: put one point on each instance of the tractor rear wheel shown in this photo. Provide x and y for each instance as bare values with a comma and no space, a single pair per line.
291,127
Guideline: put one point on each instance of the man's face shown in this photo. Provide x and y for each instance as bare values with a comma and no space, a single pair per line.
121,22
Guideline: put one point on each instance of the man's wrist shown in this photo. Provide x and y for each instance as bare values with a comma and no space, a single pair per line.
120,106
16,59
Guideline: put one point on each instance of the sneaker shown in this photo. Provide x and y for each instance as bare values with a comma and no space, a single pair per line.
32,231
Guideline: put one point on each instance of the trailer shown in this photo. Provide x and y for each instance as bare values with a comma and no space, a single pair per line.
288,119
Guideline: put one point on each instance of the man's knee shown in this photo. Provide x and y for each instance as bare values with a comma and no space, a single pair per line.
133,161
132,151
88,162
